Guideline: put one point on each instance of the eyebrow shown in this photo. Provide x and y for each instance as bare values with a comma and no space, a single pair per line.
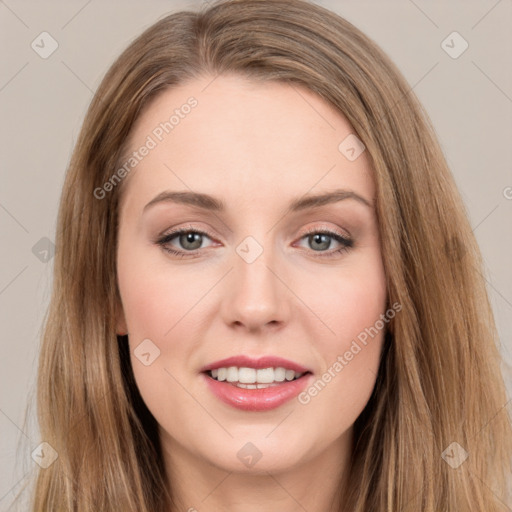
208,202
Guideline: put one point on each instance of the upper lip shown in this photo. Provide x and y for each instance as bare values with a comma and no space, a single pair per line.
261,362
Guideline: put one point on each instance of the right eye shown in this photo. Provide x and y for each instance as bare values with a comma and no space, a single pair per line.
189,239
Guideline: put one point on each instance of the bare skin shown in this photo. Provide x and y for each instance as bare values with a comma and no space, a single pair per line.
256,147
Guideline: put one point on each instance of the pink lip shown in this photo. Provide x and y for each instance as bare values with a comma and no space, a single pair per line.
257,399
262,362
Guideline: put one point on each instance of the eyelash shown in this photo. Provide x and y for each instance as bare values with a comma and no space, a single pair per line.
346,243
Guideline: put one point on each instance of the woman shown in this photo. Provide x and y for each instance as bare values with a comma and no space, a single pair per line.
328,345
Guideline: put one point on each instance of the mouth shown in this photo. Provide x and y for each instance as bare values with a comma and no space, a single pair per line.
256,384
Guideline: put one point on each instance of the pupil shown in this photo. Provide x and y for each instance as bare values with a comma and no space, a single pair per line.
191,238
317,238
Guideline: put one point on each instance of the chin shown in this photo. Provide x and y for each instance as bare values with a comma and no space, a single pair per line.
257,453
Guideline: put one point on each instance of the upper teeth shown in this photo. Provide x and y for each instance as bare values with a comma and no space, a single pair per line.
252,375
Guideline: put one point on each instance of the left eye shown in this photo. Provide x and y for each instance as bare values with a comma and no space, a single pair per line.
322,240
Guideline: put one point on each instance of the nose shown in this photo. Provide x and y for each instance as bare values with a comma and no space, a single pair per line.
255,295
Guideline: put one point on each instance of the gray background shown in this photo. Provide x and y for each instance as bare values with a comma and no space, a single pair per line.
43,101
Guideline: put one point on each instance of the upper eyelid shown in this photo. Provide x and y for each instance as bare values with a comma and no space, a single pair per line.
322,229
186,229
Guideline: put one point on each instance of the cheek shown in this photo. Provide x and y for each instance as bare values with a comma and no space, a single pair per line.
154,297
157,305
361,304
348,301
349,351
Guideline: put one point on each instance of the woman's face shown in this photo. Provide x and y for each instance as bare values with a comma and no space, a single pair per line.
254,278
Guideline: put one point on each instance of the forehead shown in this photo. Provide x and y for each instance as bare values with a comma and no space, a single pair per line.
247,142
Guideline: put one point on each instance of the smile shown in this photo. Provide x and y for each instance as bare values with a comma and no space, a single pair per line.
252,378
255,389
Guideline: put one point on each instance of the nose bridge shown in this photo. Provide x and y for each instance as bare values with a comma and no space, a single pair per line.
255,295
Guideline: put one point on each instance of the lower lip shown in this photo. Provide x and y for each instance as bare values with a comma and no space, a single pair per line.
257,399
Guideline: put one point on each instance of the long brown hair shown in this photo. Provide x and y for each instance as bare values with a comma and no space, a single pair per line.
439,381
